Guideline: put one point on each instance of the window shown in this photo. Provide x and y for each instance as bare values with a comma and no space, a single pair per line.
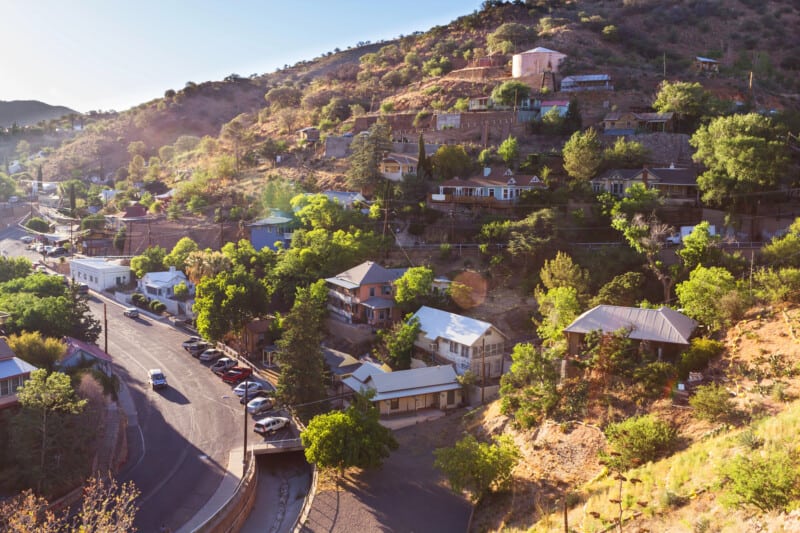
5,388
387,290
451,397
465,351
372,291
453,347
617,188
394,404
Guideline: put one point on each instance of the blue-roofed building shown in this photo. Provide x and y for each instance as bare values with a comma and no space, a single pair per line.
13,373
269,232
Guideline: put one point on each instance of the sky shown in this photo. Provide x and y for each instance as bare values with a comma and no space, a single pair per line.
115,54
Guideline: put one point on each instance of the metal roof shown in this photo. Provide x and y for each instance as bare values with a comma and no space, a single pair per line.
587,77
659,325
366,273
435,324
15,367
270,221
404,383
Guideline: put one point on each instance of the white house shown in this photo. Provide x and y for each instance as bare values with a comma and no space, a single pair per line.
463,341
406,391
99,274
161,286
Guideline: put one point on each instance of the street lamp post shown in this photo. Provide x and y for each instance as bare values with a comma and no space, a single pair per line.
246,397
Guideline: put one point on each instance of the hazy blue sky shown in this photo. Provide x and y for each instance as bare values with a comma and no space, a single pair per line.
115,54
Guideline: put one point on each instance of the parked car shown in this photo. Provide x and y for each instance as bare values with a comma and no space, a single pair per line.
211,354
191,340
156,378
198,347
82,288
249,386
237,374
27,239
260,404
223,365
57,251
131,312
270,424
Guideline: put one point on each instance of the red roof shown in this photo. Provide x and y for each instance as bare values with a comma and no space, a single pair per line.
73,345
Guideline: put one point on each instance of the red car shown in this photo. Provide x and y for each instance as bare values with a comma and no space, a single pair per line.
237,374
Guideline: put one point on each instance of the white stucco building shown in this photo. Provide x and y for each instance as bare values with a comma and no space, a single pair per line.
99,274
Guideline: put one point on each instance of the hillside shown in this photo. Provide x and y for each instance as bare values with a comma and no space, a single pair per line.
29,112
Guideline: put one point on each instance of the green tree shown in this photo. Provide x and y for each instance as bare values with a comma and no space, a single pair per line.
646,236
743,154
42,396
238,134
637,440
511,93
367,152
451,161
226,302
711,296
278,193
625,154
136,168
93,222
573,121
41,352
558,308
478,467
353,438
623,290
137,148
528,391
563,272
120,239
8,187
413,287
687,100
38,225
509,150
302,382
784,250
583,155
701,248
151,260
206,264
509,32
180,252
283,97
396,345
14,268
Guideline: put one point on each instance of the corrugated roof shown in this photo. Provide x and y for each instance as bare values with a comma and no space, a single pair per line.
659,325
5,350
366,273
14,367
403,383
165,277
270,221
375,302
587,77
74,345
100,264
436,324
540,50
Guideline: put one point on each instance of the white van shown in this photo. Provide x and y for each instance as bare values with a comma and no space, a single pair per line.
270,424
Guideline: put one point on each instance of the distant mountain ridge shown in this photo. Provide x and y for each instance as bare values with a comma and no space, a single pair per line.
29,112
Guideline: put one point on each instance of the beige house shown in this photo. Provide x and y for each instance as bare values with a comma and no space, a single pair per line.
406,391
536,61
678,186
465,342
395,166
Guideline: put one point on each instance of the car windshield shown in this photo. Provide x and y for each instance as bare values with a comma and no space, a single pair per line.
158,376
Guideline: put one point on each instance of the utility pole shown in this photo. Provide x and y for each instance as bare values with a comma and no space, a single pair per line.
244,454
483,369
105,325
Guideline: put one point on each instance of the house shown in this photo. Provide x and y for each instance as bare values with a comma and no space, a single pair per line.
256,335
80,354
678,186
310,134
664,331
587,82
486,103
365,294
272,232
99,274
135,212
495,187
340,365
406,391
705,64
394,166
628,122
13,373
536,61
161,285
347,199
466,342
562,106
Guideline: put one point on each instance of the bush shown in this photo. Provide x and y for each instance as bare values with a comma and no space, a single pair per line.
711,402
655,378
638,440
478,467
768,483
38,224
421,117
699,354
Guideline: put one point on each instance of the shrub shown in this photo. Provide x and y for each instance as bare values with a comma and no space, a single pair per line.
768,483
638,440
478,467
699,354
421,117
610,33
711,402
655,378
38,224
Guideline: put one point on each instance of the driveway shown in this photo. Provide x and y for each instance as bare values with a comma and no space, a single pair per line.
407,495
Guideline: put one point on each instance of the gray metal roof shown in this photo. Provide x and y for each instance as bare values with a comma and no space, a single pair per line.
366,273
658,325
587,77
404,383
436,324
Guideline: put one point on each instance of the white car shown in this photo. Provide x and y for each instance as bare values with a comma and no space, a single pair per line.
223,364
270,424
210,355
259,405
27,239
192,340
250,386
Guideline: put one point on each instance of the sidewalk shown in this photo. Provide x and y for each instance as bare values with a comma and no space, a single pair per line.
224,492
